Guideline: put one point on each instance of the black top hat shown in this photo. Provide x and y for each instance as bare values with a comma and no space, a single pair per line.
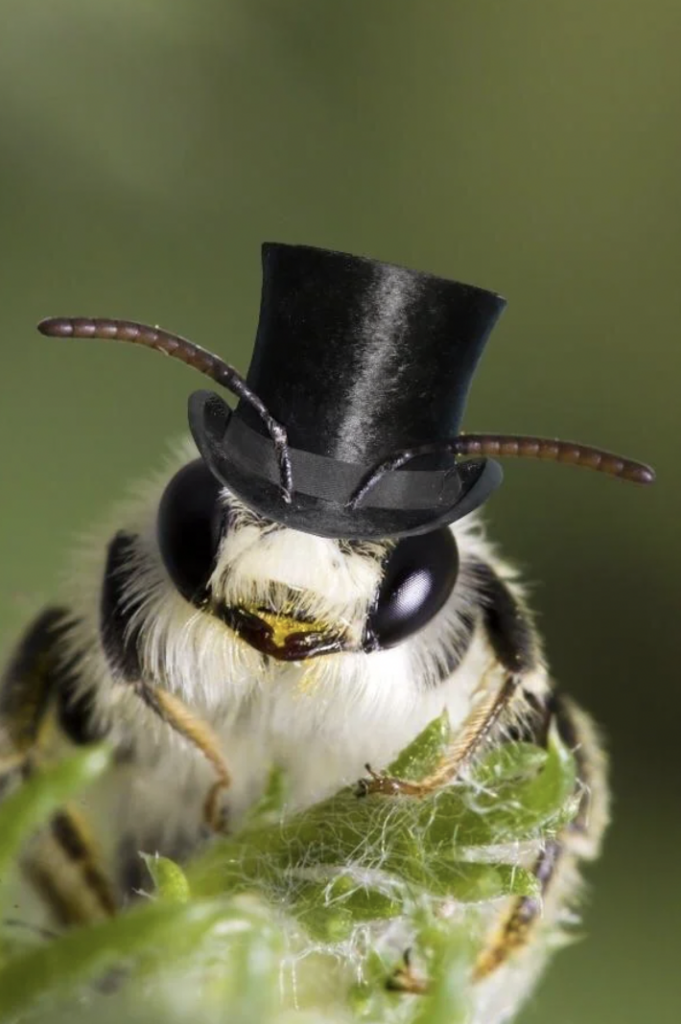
357,359
359,369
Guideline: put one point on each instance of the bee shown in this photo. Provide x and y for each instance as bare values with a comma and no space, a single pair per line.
307,585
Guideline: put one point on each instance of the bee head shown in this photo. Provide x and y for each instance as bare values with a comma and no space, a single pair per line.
293,595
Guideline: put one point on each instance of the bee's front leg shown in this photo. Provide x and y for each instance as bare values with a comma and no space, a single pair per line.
514,645
120,639
199,734
474,732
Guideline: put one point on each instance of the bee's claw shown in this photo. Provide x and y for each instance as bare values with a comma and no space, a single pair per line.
214,811
386,785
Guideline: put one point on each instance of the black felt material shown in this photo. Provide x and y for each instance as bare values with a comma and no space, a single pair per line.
357,359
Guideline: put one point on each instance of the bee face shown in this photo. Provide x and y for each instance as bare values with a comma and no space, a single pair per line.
289,594
292,595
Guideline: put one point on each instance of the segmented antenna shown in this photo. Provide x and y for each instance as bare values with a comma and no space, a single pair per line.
511,446
193,355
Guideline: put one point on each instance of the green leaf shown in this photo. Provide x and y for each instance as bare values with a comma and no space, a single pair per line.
516,794
328,870
508,762
448,956
331,909
84,954
472,883
271,804
168,877
513,810
424,754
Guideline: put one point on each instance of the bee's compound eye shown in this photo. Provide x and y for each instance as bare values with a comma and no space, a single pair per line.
188,529
419,575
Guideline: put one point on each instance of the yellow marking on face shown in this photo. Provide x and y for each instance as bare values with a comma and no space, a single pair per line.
283,625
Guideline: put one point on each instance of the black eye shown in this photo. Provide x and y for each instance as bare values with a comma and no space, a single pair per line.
418,577
188,529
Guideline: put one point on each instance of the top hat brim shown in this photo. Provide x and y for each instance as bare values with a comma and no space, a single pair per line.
471,482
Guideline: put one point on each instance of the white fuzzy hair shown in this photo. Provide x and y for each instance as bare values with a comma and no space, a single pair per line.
321,719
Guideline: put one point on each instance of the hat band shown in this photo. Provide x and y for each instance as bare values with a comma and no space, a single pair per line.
333,480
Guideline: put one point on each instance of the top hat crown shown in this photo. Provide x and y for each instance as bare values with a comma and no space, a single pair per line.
357,359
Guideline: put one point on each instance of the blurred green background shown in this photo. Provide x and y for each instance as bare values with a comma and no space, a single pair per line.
148,147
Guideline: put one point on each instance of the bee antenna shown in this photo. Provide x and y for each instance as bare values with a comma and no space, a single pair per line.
193,355
513,446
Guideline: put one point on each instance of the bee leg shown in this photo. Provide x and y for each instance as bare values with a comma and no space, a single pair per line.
66,868
515,929
67,905
555,866
171,710
63,867
120,640
512,639
475,732
71,833
63,863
